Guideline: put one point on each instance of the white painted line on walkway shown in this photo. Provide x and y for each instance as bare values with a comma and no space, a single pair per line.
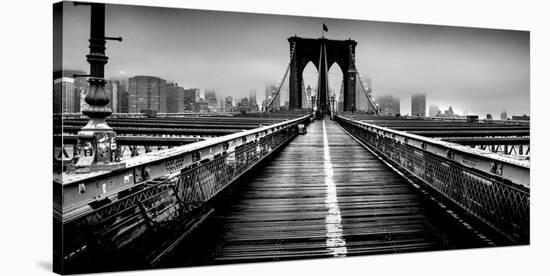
336,244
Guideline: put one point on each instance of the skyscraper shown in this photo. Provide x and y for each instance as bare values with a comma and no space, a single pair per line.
79,88
228,104
389,105
210,97
144,93
122,105
112,89
65,93
252,100
175,98
418,105
191,97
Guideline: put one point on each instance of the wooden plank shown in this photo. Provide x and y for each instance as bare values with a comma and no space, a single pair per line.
283,211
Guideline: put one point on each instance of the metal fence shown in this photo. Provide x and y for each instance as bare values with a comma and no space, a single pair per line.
494,190
166,201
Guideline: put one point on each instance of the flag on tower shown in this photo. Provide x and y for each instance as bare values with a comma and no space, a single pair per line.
325,28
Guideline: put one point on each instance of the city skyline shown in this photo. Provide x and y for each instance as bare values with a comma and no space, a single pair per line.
474,70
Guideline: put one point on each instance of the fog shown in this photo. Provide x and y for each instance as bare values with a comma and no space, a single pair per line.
477,71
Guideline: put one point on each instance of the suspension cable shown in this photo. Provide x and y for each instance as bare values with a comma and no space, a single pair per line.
292,51
361,82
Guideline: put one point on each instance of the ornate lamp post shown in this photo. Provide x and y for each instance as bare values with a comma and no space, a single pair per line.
96,141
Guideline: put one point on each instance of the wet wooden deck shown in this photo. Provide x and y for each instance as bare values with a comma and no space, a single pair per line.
323,195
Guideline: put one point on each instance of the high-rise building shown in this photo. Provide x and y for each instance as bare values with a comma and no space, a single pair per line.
79,88
252,102
244,102
504,115
228,106
389,105
112,89
65,93
175,98
418,105
191,97
122,105
210,98
146,93
434,111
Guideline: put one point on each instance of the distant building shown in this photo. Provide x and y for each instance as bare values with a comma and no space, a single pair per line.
308,95
228,104
191,98
210,97
175,98
389,105
146,93
489,116
434,111
64,94
450,112
252,102
202,106
504,115
243,105
112,89
418,105
521,118
304,96
79,88
122,105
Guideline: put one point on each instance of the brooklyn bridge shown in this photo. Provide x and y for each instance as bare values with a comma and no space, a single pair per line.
305,183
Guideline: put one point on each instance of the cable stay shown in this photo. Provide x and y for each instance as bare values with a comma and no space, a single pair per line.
367,91
292,51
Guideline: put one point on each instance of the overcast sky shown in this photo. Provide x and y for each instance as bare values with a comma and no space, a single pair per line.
477,71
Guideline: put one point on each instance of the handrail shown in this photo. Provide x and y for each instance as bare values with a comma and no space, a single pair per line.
515,170
82,189
488,186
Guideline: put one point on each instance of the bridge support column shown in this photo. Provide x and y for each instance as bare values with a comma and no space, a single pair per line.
323,81
295,79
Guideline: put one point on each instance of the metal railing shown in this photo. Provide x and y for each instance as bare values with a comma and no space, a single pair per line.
493,188
164,197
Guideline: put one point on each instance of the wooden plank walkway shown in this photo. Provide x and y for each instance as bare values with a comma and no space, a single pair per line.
323,195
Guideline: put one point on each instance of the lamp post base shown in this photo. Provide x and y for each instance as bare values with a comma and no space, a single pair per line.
97,150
